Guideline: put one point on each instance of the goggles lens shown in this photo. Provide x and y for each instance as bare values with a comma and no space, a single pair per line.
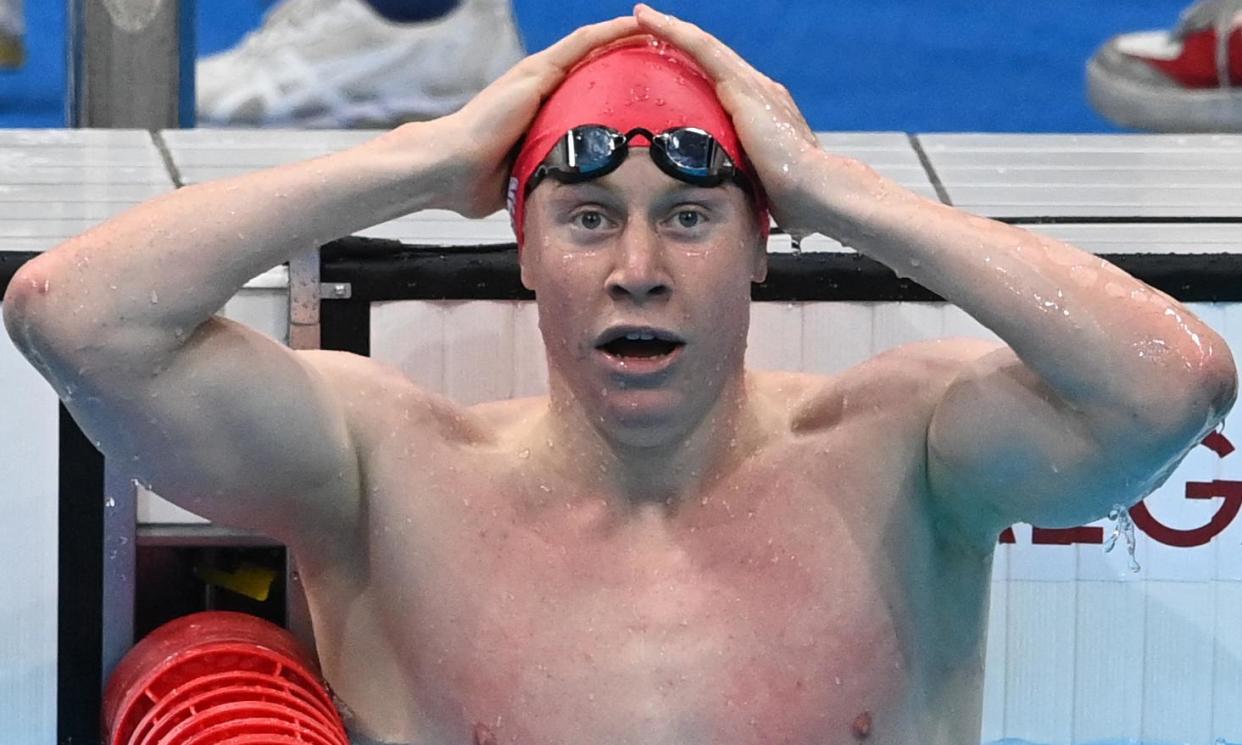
593,151
691,150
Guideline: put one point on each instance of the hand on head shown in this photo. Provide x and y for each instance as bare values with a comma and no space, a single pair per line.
773,132
476,142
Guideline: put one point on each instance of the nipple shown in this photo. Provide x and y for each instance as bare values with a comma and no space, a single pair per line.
483,735
861,726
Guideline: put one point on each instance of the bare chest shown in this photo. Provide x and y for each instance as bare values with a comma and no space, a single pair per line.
761,612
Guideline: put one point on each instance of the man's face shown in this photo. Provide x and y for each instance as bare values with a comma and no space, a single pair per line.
641,255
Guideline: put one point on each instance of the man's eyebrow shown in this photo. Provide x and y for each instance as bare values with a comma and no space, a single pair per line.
581,189
690,192
591,184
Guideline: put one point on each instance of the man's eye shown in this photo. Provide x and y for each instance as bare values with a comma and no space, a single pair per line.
689,218
590,220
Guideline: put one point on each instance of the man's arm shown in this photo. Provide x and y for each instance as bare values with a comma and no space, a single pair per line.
1104,383
213,415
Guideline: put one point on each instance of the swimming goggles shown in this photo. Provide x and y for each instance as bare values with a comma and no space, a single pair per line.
591,151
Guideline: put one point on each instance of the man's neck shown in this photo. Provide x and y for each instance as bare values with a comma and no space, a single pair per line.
674,467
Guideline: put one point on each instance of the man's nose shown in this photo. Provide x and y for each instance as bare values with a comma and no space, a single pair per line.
639,272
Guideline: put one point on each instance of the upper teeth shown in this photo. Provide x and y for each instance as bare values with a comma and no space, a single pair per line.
640,336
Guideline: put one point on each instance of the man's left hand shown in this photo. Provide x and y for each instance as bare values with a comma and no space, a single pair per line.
775,135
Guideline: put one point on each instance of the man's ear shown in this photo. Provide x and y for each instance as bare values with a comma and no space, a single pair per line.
759,271
525,268
525,259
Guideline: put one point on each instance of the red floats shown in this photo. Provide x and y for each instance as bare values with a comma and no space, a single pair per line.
218,677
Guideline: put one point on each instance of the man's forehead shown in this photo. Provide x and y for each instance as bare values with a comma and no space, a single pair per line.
638,175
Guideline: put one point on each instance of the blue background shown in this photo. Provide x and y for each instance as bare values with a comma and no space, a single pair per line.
909,65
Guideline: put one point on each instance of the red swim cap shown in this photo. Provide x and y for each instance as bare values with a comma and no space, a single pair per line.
635,82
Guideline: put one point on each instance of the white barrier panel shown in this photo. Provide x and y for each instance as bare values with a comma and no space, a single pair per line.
28,533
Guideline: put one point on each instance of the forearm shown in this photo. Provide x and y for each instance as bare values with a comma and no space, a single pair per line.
168,264
1093,333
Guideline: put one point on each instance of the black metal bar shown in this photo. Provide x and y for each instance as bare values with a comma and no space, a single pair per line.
80,591
10,262
379,270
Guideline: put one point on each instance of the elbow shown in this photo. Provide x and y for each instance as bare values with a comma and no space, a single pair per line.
1222,392
1216,384
1202,398
21,300
32,316
1223,385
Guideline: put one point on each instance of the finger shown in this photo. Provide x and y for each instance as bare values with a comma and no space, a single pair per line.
564,53
715,56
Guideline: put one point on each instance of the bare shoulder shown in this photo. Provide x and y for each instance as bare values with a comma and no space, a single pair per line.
375,393
909,380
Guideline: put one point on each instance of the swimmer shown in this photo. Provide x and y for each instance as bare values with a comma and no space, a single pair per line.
668,548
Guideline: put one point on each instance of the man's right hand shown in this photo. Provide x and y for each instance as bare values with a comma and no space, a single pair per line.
472,146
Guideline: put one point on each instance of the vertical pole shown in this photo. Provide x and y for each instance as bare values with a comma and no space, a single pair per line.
131,63
119,565
304,303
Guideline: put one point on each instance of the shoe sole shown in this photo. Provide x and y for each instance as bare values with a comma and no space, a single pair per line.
359,116
1131,104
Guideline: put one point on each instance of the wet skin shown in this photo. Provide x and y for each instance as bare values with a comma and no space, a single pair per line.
717,557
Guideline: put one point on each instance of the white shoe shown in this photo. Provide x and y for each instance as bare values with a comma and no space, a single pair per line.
338,63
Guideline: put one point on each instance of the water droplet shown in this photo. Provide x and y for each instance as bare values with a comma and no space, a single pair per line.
1123,526
524,453
659,102
109,502
154,297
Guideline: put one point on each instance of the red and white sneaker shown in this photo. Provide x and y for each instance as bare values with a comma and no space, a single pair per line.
1185,80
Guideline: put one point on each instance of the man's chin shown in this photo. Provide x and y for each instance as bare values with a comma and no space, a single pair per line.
644,417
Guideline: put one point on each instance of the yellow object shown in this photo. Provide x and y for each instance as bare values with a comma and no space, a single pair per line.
248,579
12,51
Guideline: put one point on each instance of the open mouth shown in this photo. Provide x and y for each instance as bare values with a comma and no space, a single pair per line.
639,345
